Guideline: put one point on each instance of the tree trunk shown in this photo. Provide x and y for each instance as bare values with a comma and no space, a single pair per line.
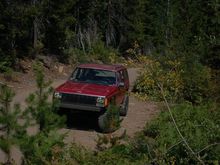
35,33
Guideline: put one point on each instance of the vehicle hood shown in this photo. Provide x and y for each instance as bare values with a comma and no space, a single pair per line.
86,89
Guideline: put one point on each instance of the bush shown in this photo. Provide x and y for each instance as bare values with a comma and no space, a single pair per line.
42,148
197,79
97,52
117,155
199,126
76,55
5,64
179,80
155,74
105,54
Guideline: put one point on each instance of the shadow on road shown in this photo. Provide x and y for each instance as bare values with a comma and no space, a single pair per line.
82,121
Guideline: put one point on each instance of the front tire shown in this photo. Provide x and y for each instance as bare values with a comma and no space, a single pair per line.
104,125
109,121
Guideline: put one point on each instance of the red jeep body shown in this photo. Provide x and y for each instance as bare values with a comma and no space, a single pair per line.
92,87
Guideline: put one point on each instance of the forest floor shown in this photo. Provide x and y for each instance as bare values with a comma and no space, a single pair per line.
82,129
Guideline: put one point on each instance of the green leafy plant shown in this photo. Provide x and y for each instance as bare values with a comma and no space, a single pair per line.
109,156
154,73
197,140
42,148
197,80
8,74
180,80
105,54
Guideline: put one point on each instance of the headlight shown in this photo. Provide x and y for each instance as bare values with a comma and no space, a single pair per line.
101,102
57,95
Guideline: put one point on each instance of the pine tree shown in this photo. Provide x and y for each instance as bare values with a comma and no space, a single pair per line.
42,110
59,26
37,149
12,131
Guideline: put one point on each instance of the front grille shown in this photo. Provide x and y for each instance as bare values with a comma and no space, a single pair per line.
78,99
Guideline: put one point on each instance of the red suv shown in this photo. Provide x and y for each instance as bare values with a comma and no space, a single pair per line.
92,87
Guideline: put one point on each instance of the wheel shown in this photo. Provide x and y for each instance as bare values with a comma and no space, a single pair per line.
103,123
109,121
124,107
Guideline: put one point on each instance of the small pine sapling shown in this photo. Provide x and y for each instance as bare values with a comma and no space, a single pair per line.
105,142
37,149
40,108
112,117
110,120
12,131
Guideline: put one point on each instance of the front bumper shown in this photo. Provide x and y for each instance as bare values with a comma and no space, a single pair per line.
81,107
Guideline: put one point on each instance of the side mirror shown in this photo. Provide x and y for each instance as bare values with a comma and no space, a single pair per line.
121,84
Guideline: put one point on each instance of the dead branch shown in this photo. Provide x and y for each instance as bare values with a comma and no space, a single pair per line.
177,128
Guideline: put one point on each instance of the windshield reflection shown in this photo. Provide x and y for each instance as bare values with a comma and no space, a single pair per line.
94,76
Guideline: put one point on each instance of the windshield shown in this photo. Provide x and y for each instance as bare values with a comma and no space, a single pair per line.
95,76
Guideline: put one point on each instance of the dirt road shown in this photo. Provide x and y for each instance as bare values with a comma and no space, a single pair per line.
83,130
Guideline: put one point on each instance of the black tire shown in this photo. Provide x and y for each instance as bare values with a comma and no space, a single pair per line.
103,125
124,106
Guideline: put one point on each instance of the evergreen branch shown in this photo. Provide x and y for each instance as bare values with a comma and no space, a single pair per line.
163,154
177,128
208,146
174,146
148,148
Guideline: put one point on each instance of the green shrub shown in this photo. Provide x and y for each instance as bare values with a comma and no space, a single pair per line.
107,141
97,52
197,79
155,74
76,55
37,49
42,148
198,125
117,155
4,65
102,53
179,80
8,74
